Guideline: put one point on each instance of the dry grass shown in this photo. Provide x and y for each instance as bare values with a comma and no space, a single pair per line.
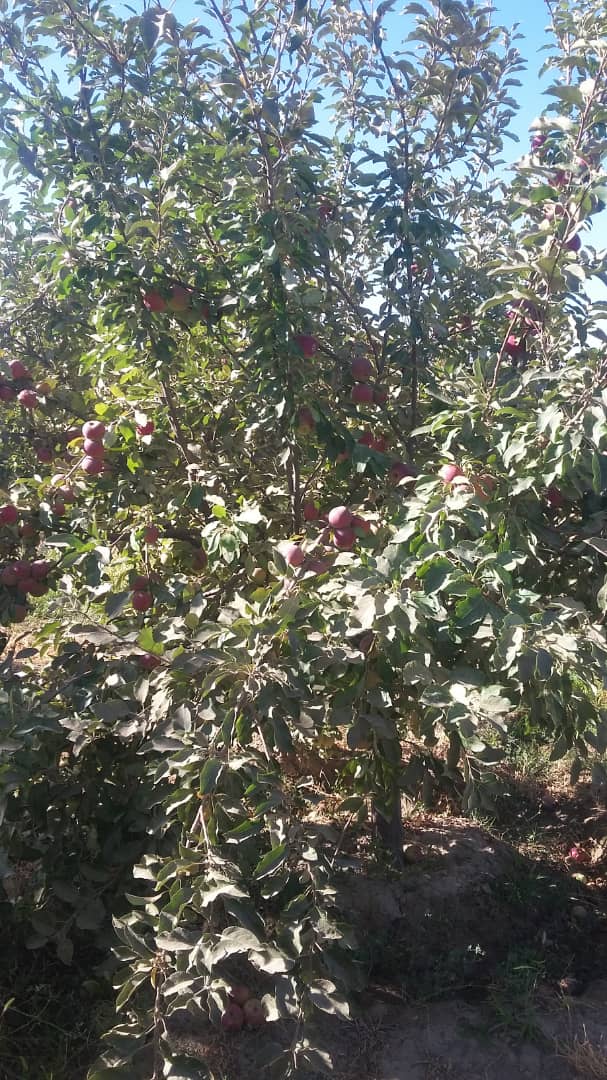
588,1059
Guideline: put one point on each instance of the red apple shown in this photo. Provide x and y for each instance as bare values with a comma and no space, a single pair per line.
399,470
44,388
40,569
310,511
19,613
91,466
18,370
141,601
153,301
513,345
293,555
575,243
8,577
93,429
199,558
253,1013
361,524
21,568
232,1018
26,585
240,994
8,514
555,498
362,394
66,492
380,445
362,369
577,854
37,588
447,473
28,399
27,530
145,429
93,449
151,534
340,517
318,566
141,583
367,439
345,539
45,454
308,345
7,393
179,299
58,508
148,661
537,141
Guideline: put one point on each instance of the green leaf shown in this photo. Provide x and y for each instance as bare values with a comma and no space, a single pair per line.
270,862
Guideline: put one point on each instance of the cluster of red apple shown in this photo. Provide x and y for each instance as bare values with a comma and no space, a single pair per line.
141,599
23,578
19,388
93,448
242,1008
362,393
178,300
341,528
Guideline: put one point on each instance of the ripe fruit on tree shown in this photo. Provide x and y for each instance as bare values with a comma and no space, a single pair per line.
45,454
340,517
555,498
362,394
44,388
399,470
148,661
577,854
93,449
308,345
92,466
18,370
254,1015
240,994
28,399
179,299
513,346
293,555
310,511
258,575
361,524
575,243
141,582
9,514
345,539
145,429
199,558
93,429
141,600
58,508
448,473
362,369
151,534
154,301
232,1018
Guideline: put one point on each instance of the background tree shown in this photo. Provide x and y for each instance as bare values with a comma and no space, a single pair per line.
304,430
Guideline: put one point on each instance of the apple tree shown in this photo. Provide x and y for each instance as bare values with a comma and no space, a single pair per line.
302,469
